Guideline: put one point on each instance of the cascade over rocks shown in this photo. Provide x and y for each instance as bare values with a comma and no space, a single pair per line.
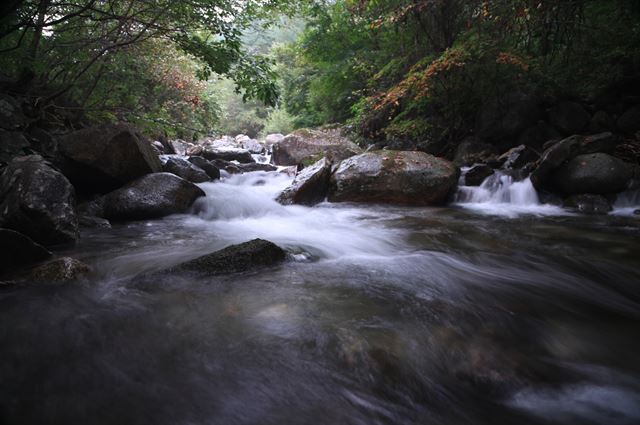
100,159
310,186
477,174
152,196
243,257
38,201
308,145
187,170
597,173
19,250
398,177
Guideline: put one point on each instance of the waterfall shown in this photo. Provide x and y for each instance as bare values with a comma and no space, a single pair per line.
627,203
501,194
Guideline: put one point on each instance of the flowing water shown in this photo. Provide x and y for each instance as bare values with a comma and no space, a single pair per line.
495,310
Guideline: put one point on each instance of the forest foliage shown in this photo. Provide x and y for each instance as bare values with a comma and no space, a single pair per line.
392,69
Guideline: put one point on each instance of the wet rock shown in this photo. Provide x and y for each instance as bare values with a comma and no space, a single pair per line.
308,146
249,144
472,151
588,204
248,168
187,170
38,201
195,150
398,177
553,158
518,157
243,257
152,196
477,174
12,144
597,173
93,222
158,147
100,159
227,166
61,270
603,142
272,139
212,171
18,251
243,156
310,186
179,147
569,117
629,122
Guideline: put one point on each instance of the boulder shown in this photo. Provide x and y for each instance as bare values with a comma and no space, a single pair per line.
100,159
603,142
554,157
569,117
243,156
250,144
19,250
472,150
507,117
310,186
195,150
477,174
518,157
588,204
212,171
12,144
187,170
179,147
272,139
152,196
243,257
227,166
629,122
597,173
307,146
158,147
61,270
398,177
38,201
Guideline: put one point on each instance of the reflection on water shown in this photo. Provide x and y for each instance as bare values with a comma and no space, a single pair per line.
383,315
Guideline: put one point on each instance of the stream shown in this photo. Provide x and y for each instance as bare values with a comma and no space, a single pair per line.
493,310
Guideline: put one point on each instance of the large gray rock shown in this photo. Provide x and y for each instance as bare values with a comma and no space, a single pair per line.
152,196
597,173
307,146
38,201
100,159
310,186
212,171
187,170
243,257
569,117
272,139
19,250
398,177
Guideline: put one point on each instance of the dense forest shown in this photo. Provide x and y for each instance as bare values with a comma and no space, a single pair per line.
319,212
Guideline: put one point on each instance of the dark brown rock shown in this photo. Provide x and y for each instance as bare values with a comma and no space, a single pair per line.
597,173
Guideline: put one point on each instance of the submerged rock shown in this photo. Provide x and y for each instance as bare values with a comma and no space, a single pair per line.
152,196
61,270
19,250
588,204
398,177
38,201
100,159
212,171
308,146
235,258
597,173
310,186
187,170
